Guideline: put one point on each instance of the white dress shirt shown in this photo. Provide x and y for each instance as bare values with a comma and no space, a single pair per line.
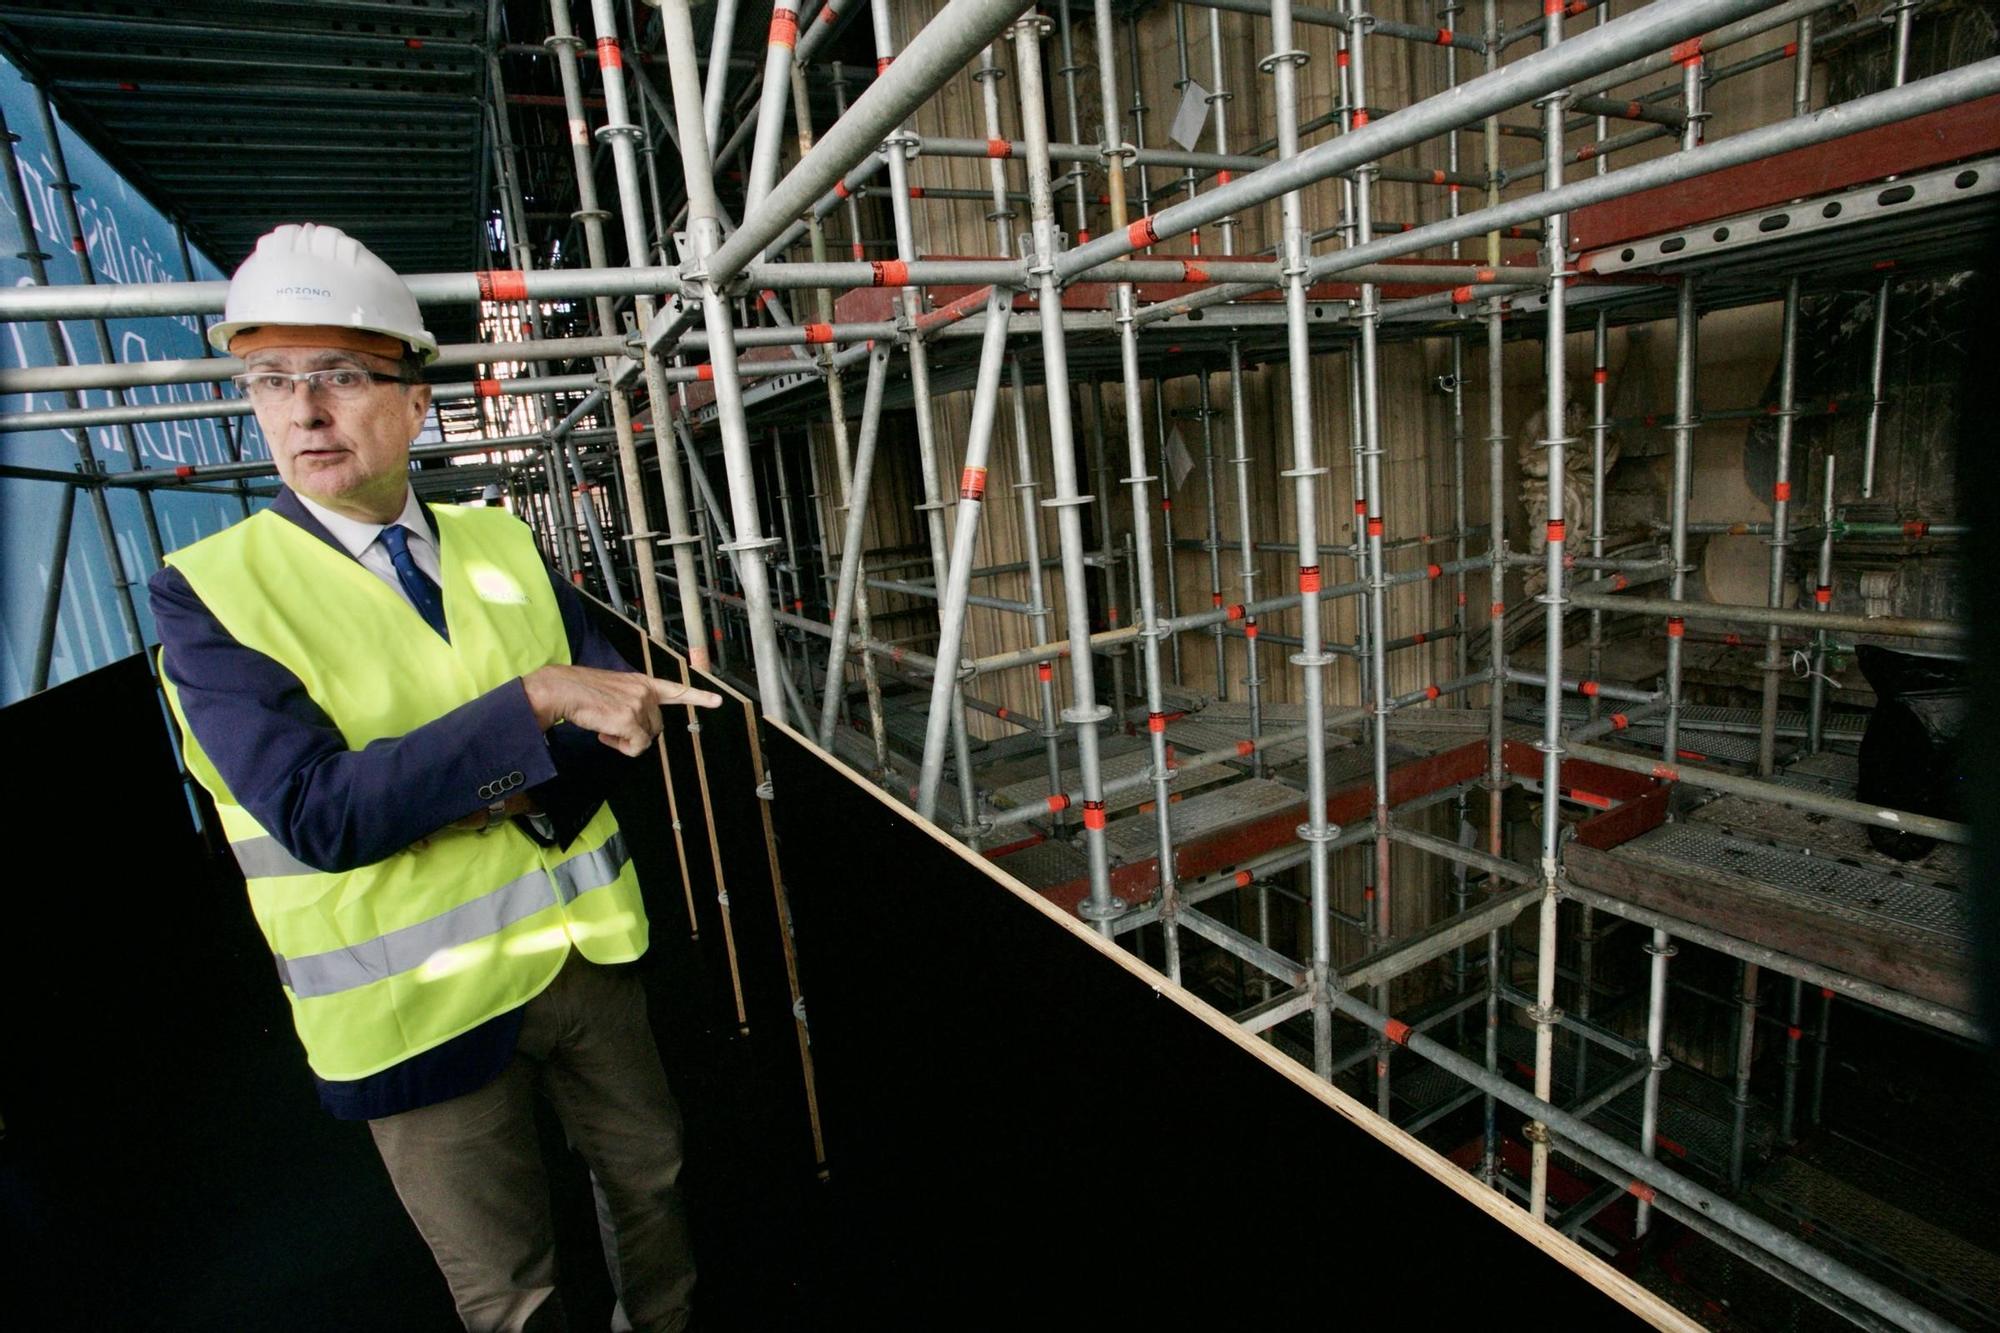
362,541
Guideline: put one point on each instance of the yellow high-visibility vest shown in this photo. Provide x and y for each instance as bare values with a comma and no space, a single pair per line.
390,959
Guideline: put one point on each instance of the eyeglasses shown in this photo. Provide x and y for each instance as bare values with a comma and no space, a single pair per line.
268,387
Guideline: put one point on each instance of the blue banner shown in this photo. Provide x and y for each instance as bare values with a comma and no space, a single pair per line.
128,240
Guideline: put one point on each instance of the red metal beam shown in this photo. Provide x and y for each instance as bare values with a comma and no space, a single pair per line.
1910,145
1641,806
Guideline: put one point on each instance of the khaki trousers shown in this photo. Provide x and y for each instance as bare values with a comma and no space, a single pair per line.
470,1171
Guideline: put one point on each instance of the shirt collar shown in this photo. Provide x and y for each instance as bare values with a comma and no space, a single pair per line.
356,536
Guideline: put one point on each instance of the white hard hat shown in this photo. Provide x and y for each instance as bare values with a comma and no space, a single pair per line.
307,274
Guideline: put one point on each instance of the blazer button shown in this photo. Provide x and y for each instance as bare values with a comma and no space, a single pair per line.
486,792
515,778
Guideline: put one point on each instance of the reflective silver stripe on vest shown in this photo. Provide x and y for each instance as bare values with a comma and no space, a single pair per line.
411,947
262,857
591,870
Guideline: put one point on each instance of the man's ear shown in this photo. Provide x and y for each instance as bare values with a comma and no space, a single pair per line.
420,406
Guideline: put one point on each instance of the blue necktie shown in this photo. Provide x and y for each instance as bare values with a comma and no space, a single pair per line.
424,594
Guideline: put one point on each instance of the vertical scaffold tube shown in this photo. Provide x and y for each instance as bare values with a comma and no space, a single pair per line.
1002,216
779,43
1246,550
1555,414
836,420
1600,430
849,595
1496,627
620,131
1312,657
1144,194
1084,711
1150,629
1466,834
1686,326
1823,601
1781,540
721,36
1899,66
1746,1045
1686,338
964,552
1378,896
704,234
897,149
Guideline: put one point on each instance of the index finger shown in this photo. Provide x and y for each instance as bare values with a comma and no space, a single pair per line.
672,692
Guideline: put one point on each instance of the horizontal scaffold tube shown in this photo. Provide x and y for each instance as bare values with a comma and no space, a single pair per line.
940,49
1589,689
1103,639
1240,751
1937,93
1918,1010
1168,157
1798,798
210,369
68,417
1644,1176
1652,28
1893,626
136,299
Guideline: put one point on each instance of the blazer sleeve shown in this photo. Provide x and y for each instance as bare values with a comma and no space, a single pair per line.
586,768
287,764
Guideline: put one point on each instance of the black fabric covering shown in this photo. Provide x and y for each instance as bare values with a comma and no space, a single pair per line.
1909,753
1021,1133
165,1163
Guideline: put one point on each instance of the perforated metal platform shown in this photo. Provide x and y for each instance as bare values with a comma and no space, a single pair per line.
1198,734
1035,790
1697,1120
1947,1267
1135,838
1839,726
1830,771
905,727
1821,837
1045,865
1897,903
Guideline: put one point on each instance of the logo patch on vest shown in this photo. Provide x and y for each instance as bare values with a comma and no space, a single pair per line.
496,585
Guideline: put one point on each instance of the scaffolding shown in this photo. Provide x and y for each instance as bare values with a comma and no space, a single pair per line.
1399,702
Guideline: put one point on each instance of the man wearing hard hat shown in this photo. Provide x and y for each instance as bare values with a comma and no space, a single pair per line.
406,721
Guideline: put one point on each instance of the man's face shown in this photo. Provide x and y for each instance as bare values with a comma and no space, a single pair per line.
350,454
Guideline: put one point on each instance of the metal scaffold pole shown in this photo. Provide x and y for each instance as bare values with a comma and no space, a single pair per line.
1084,712
1312,657
1555,444
704,234
836,421
1002,216
1151,631
898,145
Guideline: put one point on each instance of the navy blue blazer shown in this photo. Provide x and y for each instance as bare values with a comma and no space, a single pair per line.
335,808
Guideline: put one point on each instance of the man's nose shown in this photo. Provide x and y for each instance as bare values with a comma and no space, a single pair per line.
308,408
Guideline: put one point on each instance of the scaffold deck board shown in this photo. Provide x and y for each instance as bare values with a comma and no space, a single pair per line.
1901,932
1697,1120
1133,838
1198,735
1885,1237
1045,864
1817,835
1829,771
906,724
1712,718
1035,790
